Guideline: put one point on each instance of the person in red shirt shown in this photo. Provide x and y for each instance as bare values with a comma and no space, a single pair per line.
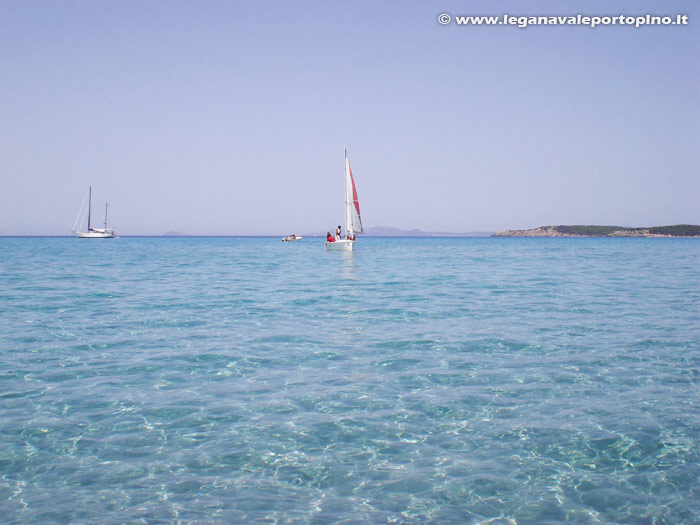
329,237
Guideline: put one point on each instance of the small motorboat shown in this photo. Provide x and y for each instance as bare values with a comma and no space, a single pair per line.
291,238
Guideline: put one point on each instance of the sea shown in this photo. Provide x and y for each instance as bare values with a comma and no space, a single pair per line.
415,380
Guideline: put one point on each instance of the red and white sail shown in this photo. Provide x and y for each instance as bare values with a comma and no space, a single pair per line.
353,221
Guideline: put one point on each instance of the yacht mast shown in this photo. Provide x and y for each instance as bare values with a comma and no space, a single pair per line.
348,197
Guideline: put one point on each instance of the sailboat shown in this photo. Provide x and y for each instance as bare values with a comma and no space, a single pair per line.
353,222
93,233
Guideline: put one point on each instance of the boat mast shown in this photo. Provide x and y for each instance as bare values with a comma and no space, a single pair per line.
106,208
89,206
348,198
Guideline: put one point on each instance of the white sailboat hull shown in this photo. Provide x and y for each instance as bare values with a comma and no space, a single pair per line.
97,235
340,246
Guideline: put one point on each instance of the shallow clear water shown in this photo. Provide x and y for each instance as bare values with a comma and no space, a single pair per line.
415,380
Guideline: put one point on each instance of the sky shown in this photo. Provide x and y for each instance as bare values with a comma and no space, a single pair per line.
231,117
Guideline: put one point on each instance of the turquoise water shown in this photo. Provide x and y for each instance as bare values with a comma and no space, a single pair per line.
414,381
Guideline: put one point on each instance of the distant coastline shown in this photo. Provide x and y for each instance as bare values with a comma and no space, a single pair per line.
678,230
377,231
389,231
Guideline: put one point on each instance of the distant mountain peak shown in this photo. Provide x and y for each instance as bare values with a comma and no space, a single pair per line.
390,231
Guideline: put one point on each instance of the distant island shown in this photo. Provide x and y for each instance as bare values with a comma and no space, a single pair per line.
679,230
377,231
388,231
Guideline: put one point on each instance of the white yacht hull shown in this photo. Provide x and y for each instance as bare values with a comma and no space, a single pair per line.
97,235
344,245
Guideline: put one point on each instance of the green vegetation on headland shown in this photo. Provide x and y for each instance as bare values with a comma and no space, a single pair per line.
679,230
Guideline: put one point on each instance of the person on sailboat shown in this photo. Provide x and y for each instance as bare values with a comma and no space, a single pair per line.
337,233
329,237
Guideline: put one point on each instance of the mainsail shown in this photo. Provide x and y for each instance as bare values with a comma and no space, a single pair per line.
353,222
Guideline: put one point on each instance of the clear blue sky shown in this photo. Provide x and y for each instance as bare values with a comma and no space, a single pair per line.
230,117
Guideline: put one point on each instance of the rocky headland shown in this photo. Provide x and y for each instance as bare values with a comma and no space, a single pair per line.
678,230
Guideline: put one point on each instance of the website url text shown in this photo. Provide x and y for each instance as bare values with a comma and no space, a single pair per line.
576,20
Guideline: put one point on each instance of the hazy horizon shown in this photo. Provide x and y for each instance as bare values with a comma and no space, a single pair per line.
230,118
373,231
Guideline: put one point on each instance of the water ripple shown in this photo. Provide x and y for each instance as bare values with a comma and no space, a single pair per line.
416,380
